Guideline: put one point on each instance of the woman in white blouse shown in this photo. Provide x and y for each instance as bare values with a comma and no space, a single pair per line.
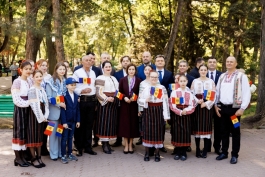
156,112
38,114
106,87
19,91
202,125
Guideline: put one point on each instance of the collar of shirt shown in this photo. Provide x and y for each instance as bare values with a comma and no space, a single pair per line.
214,73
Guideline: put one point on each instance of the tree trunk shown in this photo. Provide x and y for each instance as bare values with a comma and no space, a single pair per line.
261,86
16,49
254,64
174,30
58,31
33,39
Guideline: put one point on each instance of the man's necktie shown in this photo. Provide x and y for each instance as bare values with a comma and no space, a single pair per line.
212,76
160,76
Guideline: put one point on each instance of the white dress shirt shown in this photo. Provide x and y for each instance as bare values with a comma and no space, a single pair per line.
81,73
214,74
124,73
162,73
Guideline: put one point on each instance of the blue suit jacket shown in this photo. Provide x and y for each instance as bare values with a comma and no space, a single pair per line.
190,80
218,74
72,112
94,68
140,71
168,78
118,75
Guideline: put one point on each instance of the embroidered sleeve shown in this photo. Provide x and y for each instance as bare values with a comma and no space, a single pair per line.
141,88
166,112
46,103
191,104
142,98
15,90
192,89
246,95
34,102
102,98
78,89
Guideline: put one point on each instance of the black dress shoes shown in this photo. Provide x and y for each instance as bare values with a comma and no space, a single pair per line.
157,158
146,157
177,157
183,158
163,149
233,160
116,144
221,157
90,151
188,149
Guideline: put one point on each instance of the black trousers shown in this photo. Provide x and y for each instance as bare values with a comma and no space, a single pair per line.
83,134
227,127
217,132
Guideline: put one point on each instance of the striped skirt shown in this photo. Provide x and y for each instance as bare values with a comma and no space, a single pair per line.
153,126
106,123
35,129
202,121
180,130
20,122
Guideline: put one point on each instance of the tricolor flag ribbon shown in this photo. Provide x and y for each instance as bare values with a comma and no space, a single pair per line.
235,121
57,100
177,100
85,80
209,95
49,128
118,95
173,86
157,92
59,130
134,97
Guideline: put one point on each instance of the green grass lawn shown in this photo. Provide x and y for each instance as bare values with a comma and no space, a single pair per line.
250,111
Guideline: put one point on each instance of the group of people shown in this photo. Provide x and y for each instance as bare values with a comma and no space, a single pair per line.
135,102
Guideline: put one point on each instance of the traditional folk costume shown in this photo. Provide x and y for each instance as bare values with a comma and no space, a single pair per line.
232,94
142,86
44,150
19,91
54,89
202,123
39,111
154,115
88,103
181,124
106,122
129,111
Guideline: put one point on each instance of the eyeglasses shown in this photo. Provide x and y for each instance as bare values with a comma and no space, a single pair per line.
152,77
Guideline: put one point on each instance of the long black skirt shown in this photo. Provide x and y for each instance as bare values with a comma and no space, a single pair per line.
180,130
153,125
106,123
20,122
202,121
35,129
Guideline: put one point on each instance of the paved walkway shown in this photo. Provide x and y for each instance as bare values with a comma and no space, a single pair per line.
5,84
251,162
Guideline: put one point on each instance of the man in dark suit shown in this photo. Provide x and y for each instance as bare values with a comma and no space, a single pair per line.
214,75
165,78
94,68
105,57
195,71
183,67
125,61
146,57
